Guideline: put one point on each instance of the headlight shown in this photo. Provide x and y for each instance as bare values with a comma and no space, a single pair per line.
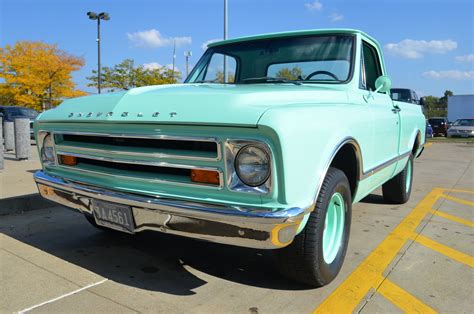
252,165
47,151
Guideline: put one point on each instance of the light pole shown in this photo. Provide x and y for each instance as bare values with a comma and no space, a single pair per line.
174,55
187,54
225,37
100,16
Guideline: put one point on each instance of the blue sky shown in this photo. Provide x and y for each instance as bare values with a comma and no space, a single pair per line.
428,45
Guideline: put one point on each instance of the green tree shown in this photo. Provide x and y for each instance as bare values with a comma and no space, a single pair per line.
125,76
220,77
435,106
290,74
444,100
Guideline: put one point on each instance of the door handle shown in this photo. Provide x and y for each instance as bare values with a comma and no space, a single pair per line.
396,110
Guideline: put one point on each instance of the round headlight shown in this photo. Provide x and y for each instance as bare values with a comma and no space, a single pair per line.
252,165
47,151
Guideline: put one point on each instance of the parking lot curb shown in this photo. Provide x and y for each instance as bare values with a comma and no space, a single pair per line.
18,204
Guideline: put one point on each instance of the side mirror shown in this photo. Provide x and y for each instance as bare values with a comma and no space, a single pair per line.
422,101
383,84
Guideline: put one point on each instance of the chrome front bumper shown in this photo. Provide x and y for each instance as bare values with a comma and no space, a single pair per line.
247,227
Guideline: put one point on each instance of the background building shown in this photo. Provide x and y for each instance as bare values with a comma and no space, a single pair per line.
460,106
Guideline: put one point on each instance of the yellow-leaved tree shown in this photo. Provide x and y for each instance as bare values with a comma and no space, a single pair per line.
37,75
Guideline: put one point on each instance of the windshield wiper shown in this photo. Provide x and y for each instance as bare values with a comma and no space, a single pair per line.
271,79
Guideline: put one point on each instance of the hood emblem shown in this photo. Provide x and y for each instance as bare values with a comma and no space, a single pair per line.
111,113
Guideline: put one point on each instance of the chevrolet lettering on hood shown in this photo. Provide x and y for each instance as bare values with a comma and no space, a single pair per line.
271,154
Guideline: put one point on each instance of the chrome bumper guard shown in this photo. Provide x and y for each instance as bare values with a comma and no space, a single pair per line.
247,227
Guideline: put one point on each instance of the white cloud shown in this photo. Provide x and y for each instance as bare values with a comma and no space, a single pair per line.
152,38
314,6
415,49
336,17
210,41
465,58
450,74
157,66
152,66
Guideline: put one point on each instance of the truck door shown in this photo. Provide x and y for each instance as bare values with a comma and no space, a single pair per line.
386,117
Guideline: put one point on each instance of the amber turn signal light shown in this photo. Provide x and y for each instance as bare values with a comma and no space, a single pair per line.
68,160
205,176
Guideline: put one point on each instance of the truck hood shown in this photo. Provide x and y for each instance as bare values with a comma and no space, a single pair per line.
204,104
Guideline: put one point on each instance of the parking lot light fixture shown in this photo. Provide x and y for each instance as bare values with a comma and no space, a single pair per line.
98,16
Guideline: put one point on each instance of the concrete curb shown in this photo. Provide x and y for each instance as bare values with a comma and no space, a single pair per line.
19,204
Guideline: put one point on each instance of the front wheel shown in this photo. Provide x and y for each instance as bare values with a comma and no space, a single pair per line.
398,189
316,254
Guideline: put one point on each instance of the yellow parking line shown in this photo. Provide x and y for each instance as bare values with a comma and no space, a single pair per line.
445,250
428,145
405,301
459,220
458,200
457,190
368,274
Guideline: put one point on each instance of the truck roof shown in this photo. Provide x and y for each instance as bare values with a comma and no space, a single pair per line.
292,33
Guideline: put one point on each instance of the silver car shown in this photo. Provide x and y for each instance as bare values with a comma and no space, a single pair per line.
462,128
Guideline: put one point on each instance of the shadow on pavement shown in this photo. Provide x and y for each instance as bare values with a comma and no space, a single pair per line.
148,260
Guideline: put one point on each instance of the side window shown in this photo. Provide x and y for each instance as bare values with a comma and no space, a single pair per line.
214,72
371,66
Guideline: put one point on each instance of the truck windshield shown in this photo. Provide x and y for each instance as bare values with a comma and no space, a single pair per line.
305,59
401,94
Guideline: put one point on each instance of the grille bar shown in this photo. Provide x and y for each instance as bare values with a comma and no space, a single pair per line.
142,170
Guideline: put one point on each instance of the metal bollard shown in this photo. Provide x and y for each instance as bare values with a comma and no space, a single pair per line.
1,143
22,138
9,135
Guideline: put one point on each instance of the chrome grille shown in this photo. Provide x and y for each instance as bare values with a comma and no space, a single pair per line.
140,156
156,146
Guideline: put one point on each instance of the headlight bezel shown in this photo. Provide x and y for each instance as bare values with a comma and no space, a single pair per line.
234,183
47,138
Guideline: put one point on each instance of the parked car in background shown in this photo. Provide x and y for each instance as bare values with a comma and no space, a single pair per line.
439,125
462,128
429,130
242,161
12,112
405,95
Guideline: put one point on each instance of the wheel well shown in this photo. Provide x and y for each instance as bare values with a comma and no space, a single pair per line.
346,160
416,145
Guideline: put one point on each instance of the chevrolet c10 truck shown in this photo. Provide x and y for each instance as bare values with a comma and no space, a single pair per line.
269,153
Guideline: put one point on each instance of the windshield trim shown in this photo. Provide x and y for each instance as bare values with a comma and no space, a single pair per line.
206,54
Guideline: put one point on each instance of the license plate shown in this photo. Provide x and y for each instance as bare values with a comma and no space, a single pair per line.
115,216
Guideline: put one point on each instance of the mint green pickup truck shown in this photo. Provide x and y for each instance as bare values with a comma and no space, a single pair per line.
267,144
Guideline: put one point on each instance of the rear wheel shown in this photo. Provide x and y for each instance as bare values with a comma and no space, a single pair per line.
316,254
398,189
